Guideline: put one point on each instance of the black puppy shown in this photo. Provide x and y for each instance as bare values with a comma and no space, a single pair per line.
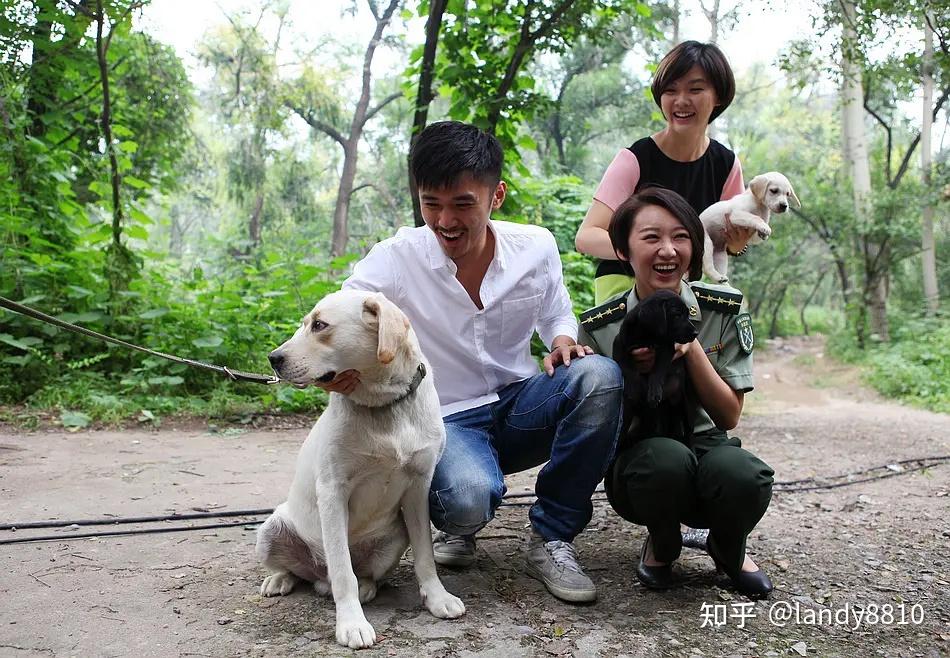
654,403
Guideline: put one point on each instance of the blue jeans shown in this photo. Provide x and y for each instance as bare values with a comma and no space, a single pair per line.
570,420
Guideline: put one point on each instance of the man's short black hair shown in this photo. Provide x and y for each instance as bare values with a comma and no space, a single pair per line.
447,150
710,59
624,219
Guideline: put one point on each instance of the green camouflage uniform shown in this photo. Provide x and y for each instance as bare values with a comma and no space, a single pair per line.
659,482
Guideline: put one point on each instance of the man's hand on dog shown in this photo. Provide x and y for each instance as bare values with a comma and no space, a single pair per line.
562,351
645,357
345,382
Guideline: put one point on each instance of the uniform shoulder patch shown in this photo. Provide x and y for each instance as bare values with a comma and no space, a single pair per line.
744,329
606,313
718,298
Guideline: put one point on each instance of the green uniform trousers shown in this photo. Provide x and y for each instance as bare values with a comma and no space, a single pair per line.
660,483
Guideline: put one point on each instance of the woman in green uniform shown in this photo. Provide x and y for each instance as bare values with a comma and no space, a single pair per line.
658,481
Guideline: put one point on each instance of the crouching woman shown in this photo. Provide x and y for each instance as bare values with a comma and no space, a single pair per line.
659,481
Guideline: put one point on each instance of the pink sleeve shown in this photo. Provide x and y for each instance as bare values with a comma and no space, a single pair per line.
734,184
620,180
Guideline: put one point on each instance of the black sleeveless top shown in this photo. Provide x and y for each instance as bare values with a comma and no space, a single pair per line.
700,182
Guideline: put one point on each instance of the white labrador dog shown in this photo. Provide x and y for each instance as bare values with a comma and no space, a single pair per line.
360,493
767,193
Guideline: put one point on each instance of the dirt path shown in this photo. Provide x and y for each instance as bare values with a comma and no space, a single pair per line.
883,542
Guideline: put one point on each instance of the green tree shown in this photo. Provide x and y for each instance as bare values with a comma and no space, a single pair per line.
320,108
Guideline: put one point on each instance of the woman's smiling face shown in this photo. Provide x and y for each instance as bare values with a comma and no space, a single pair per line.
660,250
688,102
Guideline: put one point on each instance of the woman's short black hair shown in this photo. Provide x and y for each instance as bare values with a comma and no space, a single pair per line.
447,150
710,59
624,218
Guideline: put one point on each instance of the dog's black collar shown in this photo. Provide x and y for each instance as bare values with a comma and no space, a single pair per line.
417,378
413,383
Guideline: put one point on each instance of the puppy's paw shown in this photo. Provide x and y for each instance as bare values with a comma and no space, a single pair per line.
765,232
442,604
278,584
723,279
367,590
355,632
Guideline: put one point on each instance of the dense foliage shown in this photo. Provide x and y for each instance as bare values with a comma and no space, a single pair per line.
228,190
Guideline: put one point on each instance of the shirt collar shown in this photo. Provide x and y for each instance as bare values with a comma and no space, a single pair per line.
686,294
438,259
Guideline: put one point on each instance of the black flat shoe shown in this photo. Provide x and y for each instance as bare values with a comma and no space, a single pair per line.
753,584
654,577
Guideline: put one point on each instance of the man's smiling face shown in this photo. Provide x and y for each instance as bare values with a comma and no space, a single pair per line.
458,214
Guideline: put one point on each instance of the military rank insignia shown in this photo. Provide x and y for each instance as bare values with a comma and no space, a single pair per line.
744,329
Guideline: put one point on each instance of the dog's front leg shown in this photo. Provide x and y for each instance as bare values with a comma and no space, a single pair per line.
744,219
352,629
415,512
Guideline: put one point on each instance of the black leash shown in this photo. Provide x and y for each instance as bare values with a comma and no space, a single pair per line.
236,375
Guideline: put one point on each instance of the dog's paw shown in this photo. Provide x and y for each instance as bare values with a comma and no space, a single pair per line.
443,605
765,232
723,279
322,587
278,584
356,633
367,590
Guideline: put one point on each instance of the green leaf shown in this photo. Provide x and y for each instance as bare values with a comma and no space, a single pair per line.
153,313
137,232
78,291
74,420
207,341
22,343
137,183
128,146
100,188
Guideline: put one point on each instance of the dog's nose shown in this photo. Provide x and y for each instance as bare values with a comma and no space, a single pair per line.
782,207
276,360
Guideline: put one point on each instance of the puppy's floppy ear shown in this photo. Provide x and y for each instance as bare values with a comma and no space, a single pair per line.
758,186
392,325
791,193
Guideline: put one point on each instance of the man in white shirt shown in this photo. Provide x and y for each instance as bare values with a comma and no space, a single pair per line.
475,291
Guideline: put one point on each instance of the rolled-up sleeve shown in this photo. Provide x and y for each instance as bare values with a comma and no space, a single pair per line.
557,315
734,364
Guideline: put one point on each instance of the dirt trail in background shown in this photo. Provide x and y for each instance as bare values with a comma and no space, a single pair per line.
882,542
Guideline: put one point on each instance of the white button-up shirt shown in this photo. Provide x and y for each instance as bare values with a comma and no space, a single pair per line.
474,352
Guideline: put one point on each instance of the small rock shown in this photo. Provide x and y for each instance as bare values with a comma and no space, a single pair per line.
224,621
800,648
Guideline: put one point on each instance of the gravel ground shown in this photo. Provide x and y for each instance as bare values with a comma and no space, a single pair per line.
877,548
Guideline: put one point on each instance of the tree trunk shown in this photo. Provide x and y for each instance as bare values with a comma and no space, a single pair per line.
676,22
254,226
424,94
361,115
928,251
102,47
856,155
811,295
344,192
712,15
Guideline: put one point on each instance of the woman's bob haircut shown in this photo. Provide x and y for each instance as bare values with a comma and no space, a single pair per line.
624,219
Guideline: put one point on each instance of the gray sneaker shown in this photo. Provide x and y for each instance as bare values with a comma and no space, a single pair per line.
454,550
554,563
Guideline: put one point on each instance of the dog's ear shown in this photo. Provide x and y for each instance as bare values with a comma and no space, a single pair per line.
758,186
392,325
791,193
